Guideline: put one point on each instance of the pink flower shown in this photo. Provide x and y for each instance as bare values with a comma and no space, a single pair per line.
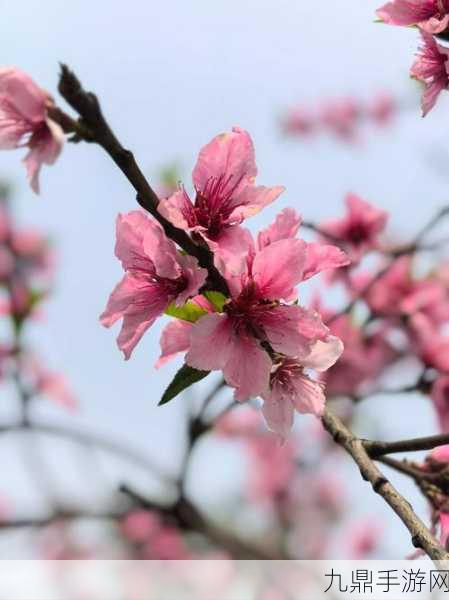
139,525
382,108
24,122
432,16
292,389
440,398
431,67
225,195
341,117
155,275
431,345
272,467
359,229
363,538
257,313
299,121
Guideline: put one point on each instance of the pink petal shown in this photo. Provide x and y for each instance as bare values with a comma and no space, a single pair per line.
252,200
43,150
324,354
161,250
211,332
229,156
321,257
279,413
309,396
230,251
178,210
129,230
292,330
139,303
195,276
247,368
279,267
286,225
175,338
26,96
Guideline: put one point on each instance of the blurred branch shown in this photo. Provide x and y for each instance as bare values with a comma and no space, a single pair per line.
89,439
186,516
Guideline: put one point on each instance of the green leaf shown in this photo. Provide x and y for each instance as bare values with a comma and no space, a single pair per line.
217,299
189,312
184,378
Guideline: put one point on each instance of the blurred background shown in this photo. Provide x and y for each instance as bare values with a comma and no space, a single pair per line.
170,76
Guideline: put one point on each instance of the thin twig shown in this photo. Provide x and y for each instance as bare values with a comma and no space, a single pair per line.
375,449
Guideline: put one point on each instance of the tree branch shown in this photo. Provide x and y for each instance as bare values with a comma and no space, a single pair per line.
375,449
421,536
93,127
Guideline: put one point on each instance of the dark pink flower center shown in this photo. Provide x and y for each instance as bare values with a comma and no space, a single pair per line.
215,203
357,233
247,311
285,373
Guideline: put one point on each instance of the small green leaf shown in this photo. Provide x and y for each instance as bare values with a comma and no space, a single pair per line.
217,299
189,312
184,378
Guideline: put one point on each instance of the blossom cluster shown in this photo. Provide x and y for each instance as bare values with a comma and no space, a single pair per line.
431,17
264,341
342,118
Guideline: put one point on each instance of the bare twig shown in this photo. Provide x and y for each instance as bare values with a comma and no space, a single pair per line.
93,127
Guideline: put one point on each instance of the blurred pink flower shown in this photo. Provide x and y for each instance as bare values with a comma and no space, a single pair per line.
360,228
24,122
299,121
341,117
431,67
382,108
363,537
155,275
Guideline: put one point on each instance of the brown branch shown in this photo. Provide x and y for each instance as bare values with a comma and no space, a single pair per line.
421,536
93,127
375,449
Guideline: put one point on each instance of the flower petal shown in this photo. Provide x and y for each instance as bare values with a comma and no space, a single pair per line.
211,342
279,413
321,257
279,267
247,368
324,354
175,338
286,225
178,209
229,156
